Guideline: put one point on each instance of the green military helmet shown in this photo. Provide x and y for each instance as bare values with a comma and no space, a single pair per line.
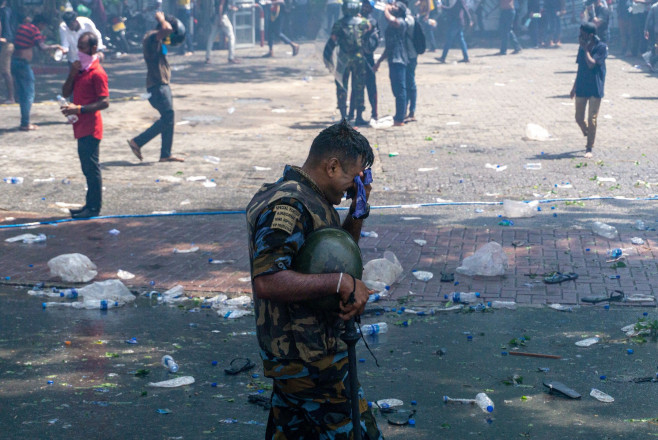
351,8
329,250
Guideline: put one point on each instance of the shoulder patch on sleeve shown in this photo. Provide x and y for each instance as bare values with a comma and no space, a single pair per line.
285,218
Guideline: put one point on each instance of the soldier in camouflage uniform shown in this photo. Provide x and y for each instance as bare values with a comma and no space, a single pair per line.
348,34
300,346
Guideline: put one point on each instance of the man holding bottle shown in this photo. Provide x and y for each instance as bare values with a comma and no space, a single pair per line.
87,82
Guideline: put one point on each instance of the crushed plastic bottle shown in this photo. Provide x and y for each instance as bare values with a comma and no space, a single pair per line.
463,297
64,103
502,305
640,226
484,402
374,329
604,230
587,342
68,293
13,180
532,166
601,396
212,159
169,363
422,275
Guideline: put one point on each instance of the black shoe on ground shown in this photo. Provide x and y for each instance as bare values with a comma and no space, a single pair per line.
360,122
86,213
77,210
441,60
465,60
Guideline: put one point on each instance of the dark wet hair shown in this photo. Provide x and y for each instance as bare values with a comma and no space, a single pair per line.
588,28
69,17
41,19
343,142
91,38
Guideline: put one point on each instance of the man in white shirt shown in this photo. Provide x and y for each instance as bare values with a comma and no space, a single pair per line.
70,30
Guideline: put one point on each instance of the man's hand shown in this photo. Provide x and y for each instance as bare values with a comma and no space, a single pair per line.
646,35
76,66
3,40
572,94
160,17
71,109
361,294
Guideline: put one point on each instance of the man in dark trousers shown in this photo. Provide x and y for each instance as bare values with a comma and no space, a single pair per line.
158,73
300,345
590,82
87,81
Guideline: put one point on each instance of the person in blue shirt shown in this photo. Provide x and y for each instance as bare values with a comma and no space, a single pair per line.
590,81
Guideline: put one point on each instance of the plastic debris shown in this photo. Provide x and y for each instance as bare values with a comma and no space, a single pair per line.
420,243
257,168
114,232
601,396
209,184
73,268
195,178
186,251
489,260
389,403
637,240
640,225
233,308
27,238
212,159
125,275
424,170
173,295
498,168
382,272
422,275
532,166
604,230
561,308
514,209
534,132
371,234
639,297
587,342
213,261
385,122
173,383
511,305
170,179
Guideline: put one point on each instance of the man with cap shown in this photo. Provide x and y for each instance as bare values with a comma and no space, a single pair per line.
70,30
300,344
589,85
168,32
348,33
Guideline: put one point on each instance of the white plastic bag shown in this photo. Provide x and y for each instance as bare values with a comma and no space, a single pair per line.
73,268
110,290
514,209
382,272
489,261
534,132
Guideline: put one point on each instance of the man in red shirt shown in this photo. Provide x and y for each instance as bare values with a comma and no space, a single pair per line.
87,81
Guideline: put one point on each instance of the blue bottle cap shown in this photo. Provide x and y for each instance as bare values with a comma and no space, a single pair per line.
602,377
369,404
255,375
489,408
362,361
503,353
50,382
43,305
214,362
630,351
405,323
214,384
456,283
412,422
645,314
606,307
413,402
445,398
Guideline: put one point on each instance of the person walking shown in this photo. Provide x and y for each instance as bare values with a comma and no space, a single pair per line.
222,21
311,391
589,85
87,82
184,14
458,17
7,30
70,30
277,16
506,27
28,35
410,74
158,74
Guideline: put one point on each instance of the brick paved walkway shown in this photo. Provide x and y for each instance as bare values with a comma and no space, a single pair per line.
145,248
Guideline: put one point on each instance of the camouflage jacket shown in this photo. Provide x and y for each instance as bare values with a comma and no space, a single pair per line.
350,32
279,217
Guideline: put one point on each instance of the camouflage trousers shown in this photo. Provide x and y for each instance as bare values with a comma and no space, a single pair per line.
356,68
312,403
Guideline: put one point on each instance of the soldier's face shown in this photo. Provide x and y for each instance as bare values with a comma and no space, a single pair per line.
343,180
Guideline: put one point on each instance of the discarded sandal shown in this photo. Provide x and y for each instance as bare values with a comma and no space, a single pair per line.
559,277
559,387
260,400
238,365
617,295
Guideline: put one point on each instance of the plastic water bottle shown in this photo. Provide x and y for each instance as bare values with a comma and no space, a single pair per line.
63,103
532,166
68,293
13,180
374,329
502,305
463,297
640,226
604,230
169,363
615,253
484,402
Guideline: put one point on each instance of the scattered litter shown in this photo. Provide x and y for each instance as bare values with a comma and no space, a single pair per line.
125,275
27,238
604,230
184,122
422,275
371,234
234,308
559,387
640,225
490,260
50,179
173,383
559,277
114,232
212,159
163,212
563,185
231,110
605,179
601,396
532,166
453,123
498,168
209,184
587,342
257,168
389,403
410,218
638,297
278,110
382,272
73,268
514,209
213,261
534,132
99,295
385,122
185,202
637,240
186,251
561,308
420,243
511,305
173,295
163,411
245,279
196,178
424,170
170,179
13,180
